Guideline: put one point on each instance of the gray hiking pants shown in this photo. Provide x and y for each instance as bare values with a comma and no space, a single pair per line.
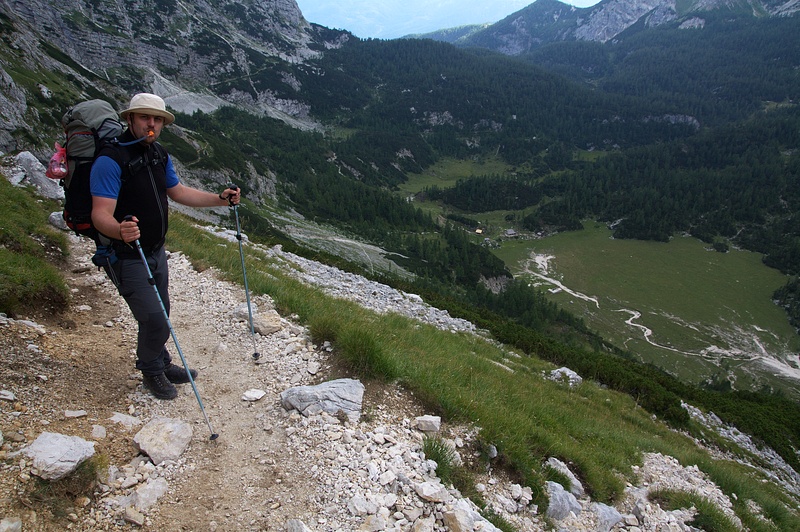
133,284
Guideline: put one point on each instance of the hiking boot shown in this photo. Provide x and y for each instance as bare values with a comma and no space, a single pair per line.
177,375
160,386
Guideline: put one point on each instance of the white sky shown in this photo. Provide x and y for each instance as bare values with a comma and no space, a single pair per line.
389,19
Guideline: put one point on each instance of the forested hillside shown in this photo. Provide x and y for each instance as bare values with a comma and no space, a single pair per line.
723,72
689,140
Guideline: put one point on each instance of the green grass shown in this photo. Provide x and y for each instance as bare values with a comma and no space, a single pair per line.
58,496
28,246
601,432
437,450
691,298
708,516
445,172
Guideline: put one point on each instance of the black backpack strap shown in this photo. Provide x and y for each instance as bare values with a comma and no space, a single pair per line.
131,167
122,157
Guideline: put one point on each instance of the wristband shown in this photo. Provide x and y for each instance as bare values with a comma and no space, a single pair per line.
223,198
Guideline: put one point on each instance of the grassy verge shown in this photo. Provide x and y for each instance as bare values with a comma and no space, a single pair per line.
28,248
466,379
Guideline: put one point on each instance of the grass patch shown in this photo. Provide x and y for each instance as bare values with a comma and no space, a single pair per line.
709,517
29,247
451,472
446,459
58,496
446,171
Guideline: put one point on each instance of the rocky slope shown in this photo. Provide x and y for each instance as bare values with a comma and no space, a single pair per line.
272,468
546,21
197,55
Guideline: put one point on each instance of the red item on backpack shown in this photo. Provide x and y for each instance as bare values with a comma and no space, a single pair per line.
57,168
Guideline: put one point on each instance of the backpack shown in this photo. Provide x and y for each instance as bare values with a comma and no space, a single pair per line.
88,127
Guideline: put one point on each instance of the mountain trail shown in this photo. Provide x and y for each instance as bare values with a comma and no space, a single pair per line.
248,478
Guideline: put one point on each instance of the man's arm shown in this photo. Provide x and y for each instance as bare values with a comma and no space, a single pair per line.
193,197
104,221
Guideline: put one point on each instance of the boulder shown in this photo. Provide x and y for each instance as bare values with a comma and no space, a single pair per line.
56,455
164,439
341,395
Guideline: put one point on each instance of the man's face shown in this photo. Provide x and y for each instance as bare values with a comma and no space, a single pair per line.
142,124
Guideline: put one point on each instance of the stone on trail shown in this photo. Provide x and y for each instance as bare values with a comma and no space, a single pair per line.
149,493
341,395
133,517
125,420
56,455
607,516
267,323
164,439
296,525
465,517
433,492
253,395
427,423
7,395
11,524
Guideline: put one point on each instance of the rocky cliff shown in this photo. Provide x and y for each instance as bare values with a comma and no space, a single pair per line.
198,55
546,21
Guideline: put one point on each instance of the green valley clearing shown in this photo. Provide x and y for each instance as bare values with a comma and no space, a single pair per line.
694,312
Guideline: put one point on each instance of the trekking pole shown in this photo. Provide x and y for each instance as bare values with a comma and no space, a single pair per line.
256,354
152,282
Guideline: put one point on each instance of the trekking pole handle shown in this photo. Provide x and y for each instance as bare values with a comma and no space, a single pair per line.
236,215
127,218
234,188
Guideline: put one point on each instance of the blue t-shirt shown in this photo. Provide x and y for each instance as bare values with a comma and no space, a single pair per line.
106,177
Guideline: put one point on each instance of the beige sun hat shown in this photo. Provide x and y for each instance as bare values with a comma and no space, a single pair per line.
149,104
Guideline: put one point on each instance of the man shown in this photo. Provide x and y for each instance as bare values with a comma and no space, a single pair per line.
130,184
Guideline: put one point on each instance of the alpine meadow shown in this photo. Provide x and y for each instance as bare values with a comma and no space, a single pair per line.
613,189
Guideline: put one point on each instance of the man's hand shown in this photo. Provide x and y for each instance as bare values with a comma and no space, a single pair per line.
129,229
231,195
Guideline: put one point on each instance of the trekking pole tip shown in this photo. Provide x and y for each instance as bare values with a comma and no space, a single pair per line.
256,355
214,436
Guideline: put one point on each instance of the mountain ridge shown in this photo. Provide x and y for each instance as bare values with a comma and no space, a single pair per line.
549,21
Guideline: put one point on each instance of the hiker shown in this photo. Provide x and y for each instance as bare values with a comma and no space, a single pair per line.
140,194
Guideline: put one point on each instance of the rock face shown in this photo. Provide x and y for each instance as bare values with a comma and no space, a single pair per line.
199,39
197,55
546,21
615,17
